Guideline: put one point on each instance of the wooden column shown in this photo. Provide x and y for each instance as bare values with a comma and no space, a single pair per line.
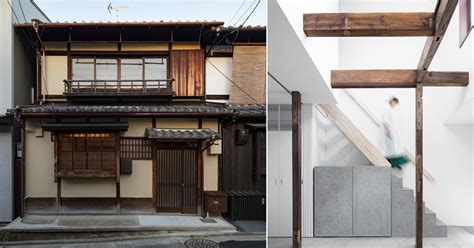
419,165
296,164
117,172
154,165
58,195
22,170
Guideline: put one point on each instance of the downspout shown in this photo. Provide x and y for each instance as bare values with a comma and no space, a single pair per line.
41,63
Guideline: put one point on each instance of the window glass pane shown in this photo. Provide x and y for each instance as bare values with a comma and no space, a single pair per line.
106,69
82,68
132,69
155,68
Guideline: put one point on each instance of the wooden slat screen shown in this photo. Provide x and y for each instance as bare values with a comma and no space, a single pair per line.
187,69
136,148
87,154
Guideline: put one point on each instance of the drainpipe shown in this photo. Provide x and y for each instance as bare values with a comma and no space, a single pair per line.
41,63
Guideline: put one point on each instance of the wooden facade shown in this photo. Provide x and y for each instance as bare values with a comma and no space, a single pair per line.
109,65
187,70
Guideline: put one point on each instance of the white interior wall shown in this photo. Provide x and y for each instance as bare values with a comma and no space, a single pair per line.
448,149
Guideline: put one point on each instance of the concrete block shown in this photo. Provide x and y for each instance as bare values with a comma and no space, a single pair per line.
372,201
332,201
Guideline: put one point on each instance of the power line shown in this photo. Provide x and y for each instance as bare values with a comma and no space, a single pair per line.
233,31
250,14
235,14
31,42
246,19
250,6
230,80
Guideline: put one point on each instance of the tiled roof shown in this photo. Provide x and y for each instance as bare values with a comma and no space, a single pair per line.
200,134
242,110
176,108
248,109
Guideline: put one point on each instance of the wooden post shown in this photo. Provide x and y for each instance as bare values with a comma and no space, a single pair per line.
296,164
58,195
419,165
23,167
117,172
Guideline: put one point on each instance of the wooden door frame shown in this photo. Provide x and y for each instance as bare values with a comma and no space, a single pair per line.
198,175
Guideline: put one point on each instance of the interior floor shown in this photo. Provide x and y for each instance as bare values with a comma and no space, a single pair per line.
458,237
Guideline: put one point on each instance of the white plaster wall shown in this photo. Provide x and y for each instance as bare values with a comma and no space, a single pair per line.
140,183
448,149
216,83
211,164
55,73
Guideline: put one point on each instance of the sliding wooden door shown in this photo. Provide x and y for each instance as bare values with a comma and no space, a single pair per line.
176,179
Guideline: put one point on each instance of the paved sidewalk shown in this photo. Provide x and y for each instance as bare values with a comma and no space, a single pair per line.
117,222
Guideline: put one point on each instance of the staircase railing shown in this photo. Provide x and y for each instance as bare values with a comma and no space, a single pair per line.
377,122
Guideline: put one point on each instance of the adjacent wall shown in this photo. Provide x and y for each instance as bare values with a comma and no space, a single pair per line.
6,101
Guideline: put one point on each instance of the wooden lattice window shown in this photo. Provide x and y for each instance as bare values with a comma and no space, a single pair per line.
136,148
87,154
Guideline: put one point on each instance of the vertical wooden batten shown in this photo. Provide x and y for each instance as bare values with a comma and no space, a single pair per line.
296,164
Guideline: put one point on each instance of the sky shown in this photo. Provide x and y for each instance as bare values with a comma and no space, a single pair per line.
156,10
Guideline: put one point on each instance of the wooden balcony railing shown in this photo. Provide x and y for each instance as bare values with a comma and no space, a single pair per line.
118,87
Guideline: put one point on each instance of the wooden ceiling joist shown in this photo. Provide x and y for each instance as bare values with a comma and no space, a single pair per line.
444,11
369,24
394,79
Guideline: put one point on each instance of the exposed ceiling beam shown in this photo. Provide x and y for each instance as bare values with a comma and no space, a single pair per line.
444,12
394,79
369,24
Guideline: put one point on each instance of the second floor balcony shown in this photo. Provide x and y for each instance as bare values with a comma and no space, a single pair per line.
118,89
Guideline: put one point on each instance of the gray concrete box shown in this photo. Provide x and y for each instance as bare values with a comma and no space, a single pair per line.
332,201
371,213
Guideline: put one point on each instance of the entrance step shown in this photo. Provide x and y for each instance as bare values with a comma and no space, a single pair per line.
103,226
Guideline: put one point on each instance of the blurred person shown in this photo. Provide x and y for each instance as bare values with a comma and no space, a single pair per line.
391,139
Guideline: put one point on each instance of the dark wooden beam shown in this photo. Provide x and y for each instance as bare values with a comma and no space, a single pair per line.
419,165
395,79
444,12
369,24
296,164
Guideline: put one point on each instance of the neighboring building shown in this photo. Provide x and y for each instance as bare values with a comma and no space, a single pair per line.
134,115
17,64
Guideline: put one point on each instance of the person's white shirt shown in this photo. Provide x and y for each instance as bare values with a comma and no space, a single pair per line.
391,139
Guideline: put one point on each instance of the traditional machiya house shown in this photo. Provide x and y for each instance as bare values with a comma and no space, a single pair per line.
142,117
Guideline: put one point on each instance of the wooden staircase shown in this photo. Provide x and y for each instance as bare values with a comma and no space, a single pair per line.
358,139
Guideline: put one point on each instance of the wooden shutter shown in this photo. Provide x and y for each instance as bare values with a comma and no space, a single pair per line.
187,69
